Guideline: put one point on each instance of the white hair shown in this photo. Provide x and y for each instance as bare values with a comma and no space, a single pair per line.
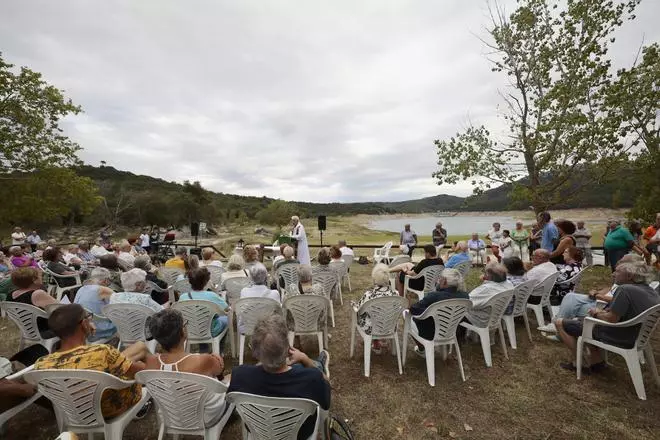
236,262
99,274
258,273
380,275
462,246
304,273
131,280
295,218
404,249
453,278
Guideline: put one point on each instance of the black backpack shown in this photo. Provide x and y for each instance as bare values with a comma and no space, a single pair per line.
338,429
363,260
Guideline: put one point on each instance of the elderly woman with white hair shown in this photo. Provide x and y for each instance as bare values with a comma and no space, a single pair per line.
235,269
462,254
134,283
259,289
381,288
520,242
298,233
93,296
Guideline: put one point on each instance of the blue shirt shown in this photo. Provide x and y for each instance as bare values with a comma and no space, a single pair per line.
476,244
456,259
88,297
548,237
219,322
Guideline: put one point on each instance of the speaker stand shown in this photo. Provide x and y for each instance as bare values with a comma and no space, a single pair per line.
321,238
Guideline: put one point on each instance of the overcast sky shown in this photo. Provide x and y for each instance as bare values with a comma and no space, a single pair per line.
301,100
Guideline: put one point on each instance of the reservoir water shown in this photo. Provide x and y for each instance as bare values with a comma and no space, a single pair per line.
455,225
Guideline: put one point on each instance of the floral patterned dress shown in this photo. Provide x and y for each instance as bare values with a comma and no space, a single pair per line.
364,321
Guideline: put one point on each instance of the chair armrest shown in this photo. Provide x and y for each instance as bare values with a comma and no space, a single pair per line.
589,323
19,374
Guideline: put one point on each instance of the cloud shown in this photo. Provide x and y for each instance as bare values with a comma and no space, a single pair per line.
314,101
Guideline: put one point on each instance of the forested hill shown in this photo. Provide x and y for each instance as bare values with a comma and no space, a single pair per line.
131,198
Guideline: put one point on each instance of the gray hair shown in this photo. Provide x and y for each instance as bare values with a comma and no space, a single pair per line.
236,262
304,273
381,275
259,273
83,244
453,278
638,272
496,272
288,252
133,280
462,246
543,253
143,262
270,343
98,275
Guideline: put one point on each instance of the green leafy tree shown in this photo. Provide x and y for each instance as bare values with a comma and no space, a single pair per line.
277,213
558,108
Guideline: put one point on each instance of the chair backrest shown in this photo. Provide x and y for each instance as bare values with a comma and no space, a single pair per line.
216,274
182,286
274,418
348,260
289,273
233,286
384,251
431,275
544,288
56,278
384,313
521,294
76,394
170,274
497,305
446,314
575,280
250,310
153,287
199,314
306,311
328,280
464,268
130,320
400,259
25,317
649,321
339,267
181,398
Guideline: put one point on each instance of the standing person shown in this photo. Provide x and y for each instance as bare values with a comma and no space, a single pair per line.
582,236
298,233
145,240
345,250
17,237
495,235
33,239
520,242
618,242
439,235
408,238
566,229
649,234
549,232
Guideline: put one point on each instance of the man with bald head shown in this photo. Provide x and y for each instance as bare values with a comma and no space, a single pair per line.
541,266
494,281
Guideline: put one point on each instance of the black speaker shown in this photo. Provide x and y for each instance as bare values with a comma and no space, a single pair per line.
196,251
194,229
322,224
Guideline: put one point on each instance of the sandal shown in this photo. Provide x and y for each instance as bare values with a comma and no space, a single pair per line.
571,367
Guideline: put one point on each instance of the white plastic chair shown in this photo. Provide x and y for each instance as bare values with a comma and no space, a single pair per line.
11,412
431,274
57,279
497,305
520,295
384,313
399,259
247,312
543,289
200,314
339,268
464,268
647,322
268,418
76,397
307,312
182,286
348,261
289,273
170,274
181,399
25,317
233,286
383,254
131,321
153,287
329,282
446,315
216,274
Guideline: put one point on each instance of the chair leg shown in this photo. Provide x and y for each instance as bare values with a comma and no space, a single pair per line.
367,355
635,369
538,312
579,349
550,312
529,331
404,349
291,336
398,353
352,348
511,330
241,348
232,336
460,360
444,352
332,314
484,337
348,279
320,338
341,296
429,354
651,362
503,341
215,346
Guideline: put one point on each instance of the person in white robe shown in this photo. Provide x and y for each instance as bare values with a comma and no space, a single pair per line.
298,233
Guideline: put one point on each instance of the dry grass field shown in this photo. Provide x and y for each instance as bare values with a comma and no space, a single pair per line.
524,397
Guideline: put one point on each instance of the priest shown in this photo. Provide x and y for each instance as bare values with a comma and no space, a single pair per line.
298,234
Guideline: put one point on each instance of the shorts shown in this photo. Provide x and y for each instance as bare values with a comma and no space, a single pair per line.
573,327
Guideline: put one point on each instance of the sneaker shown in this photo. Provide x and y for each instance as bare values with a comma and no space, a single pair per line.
553,338
324,359
420,352
571,367
548,328
599,367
